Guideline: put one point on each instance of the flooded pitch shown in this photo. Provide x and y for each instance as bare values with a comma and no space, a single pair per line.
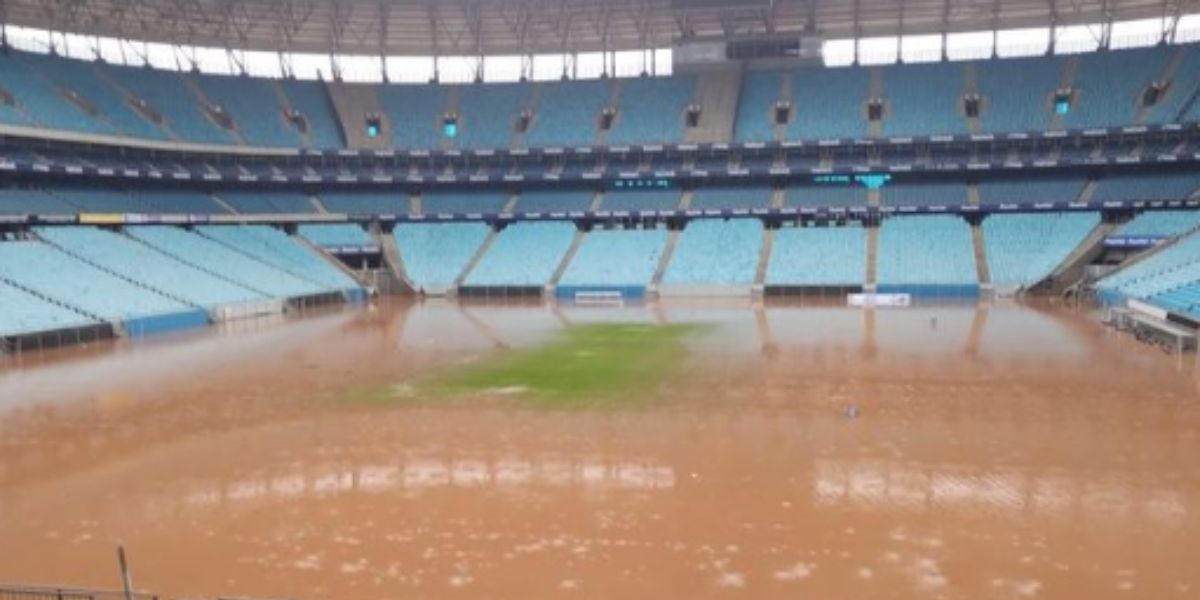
796,452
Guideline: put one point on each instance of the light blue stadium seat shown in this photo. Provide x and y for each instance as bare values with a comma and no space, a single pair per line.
567,113
266,202
50,272
924,99
236,266
435,254
1028,190
414,113
1109,86
756,111
178,202
716,252
277,249
555,201
651,110
99,199
18,201
818,256
148,267
626,200
731,197
1184,83
1017,92
1162,223
254,107
524,254
838,196
26,313
338,234
930,250
1024,249
616,257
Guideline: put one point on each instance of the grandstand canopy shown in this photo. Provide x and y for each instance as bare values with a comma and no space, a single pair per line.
521,27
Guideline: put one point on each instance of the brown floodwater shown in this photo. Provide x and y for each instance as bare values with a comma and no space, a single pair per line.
1000,451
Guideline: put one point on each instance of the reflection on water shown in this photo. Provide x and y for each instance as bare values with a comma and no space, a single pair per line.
1001,451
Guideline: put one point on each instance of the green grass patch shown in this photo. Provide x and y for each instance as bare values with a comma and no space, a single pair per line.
586,365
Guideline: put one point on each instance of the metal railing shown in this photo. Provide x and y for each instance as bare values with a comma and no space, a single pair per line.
28,592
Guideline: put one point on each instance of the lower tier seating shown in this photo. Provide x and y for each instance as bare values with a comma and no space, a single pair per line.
616,257
818,256
716,252
435,254
1024,249
524,254
934,250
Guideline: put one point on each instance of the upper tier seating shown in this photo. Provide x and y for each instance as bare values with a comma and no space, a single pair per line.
626,200
731,197
924,99
1109,86
100,200
27,201
26,313
311,100
166,93
716,252
1183,84
414,113
555,201
1017,92
1027,190
487,114
524,254
177,202
818,256
829,103
217,258
1024,249
941,193
933,250
275,248
40,102
825,195
254,106
756,111
340,234
567,113
616,257
365,203
465,202
436,254
82,77
651,110
47,271
263,202
150,268
1161,186
1162,223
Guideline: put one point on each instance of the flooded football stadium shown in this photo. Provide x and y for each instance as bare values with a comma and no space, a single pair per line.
946,451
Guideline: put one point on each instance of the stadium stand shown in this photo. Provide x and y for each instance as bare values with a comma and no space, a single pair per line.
339,234
567,113
651,110
924,99
167,94
465,202
1030,189
171,202
254,108
1179,90
149,268
365,203
233,265
267,202
45,270
1161,223
99,200
829,103
818,256
1169,278
275,248
436,254
488,114
615,258
618,200
1164,186
731,197
1017,92
825,195
31,201
311,101
941,193
26,313
1109,85
1024,249
554,201
414,113
711,252
931,254
524,254
40,101
755,117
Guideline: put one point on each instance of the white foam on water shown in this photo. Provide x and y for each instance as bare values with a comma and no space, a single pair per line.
731,579
795,572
